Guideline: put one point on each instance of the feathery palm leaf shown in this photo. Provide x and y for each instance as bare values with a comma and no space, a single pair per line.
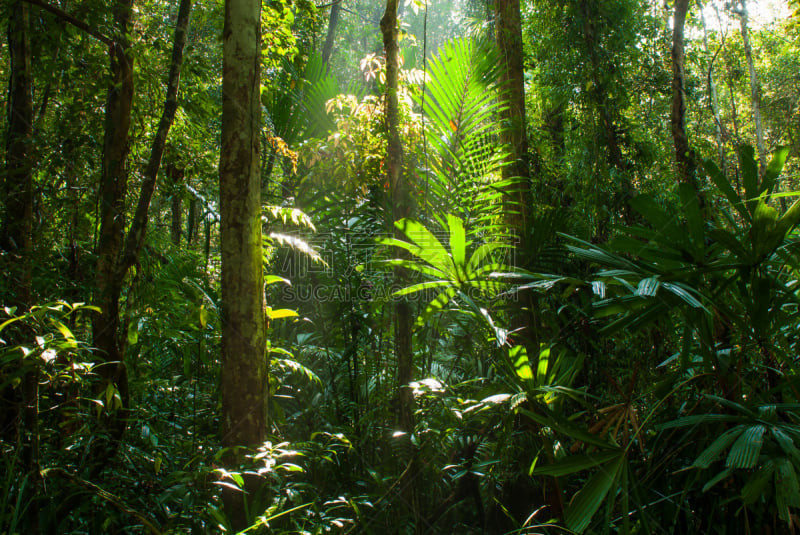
459,106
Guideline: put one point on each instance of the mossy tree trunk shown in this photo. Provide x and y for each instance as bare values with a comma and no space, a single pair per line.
244,364
400,209
517,174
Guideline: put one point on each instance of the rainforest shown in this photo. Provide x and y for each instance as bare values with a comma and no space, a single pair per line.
406,267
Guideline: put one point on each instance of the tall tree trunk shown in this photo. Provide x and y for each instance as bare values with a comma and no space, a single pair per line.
18,184
244,364
399,191
755,89
519,203
116,255
684,156
113,188
400,209
333,22
508,33
18,240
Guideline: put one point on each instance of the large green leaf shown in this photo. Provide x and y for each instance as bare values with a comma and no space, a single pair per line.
786,444
721,181
774,169
576,463
429,248
787,489
757,482
588,500
449,268
458,246
694,220
749,172
713,452
746,449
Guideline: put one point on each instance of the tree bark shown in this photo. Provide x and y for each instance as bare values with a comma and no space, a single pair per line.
400,209
17,239
18,183
508,34
244,365
399,191
113,188
519,198
333,22
684,156
116,254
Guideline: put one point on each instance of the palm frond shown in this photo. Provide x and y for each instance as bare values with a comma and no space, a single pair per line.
459,106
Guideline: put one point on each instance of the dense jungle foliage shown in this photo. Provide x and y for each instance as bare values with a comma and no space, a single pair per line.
535,272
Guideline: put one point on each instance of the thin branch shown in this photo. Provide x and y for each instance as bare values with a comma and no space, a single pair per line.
63,15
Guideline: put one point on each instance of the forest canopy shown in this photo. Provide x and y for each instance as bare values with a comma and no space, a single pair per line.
446,266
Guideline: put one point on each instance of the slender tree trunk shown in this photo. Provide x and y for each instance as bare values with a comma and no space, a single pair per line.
244,364
333,22
401,209
176,182
394,172
113,188
116,254
684,156
755,90
712,90
138,229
